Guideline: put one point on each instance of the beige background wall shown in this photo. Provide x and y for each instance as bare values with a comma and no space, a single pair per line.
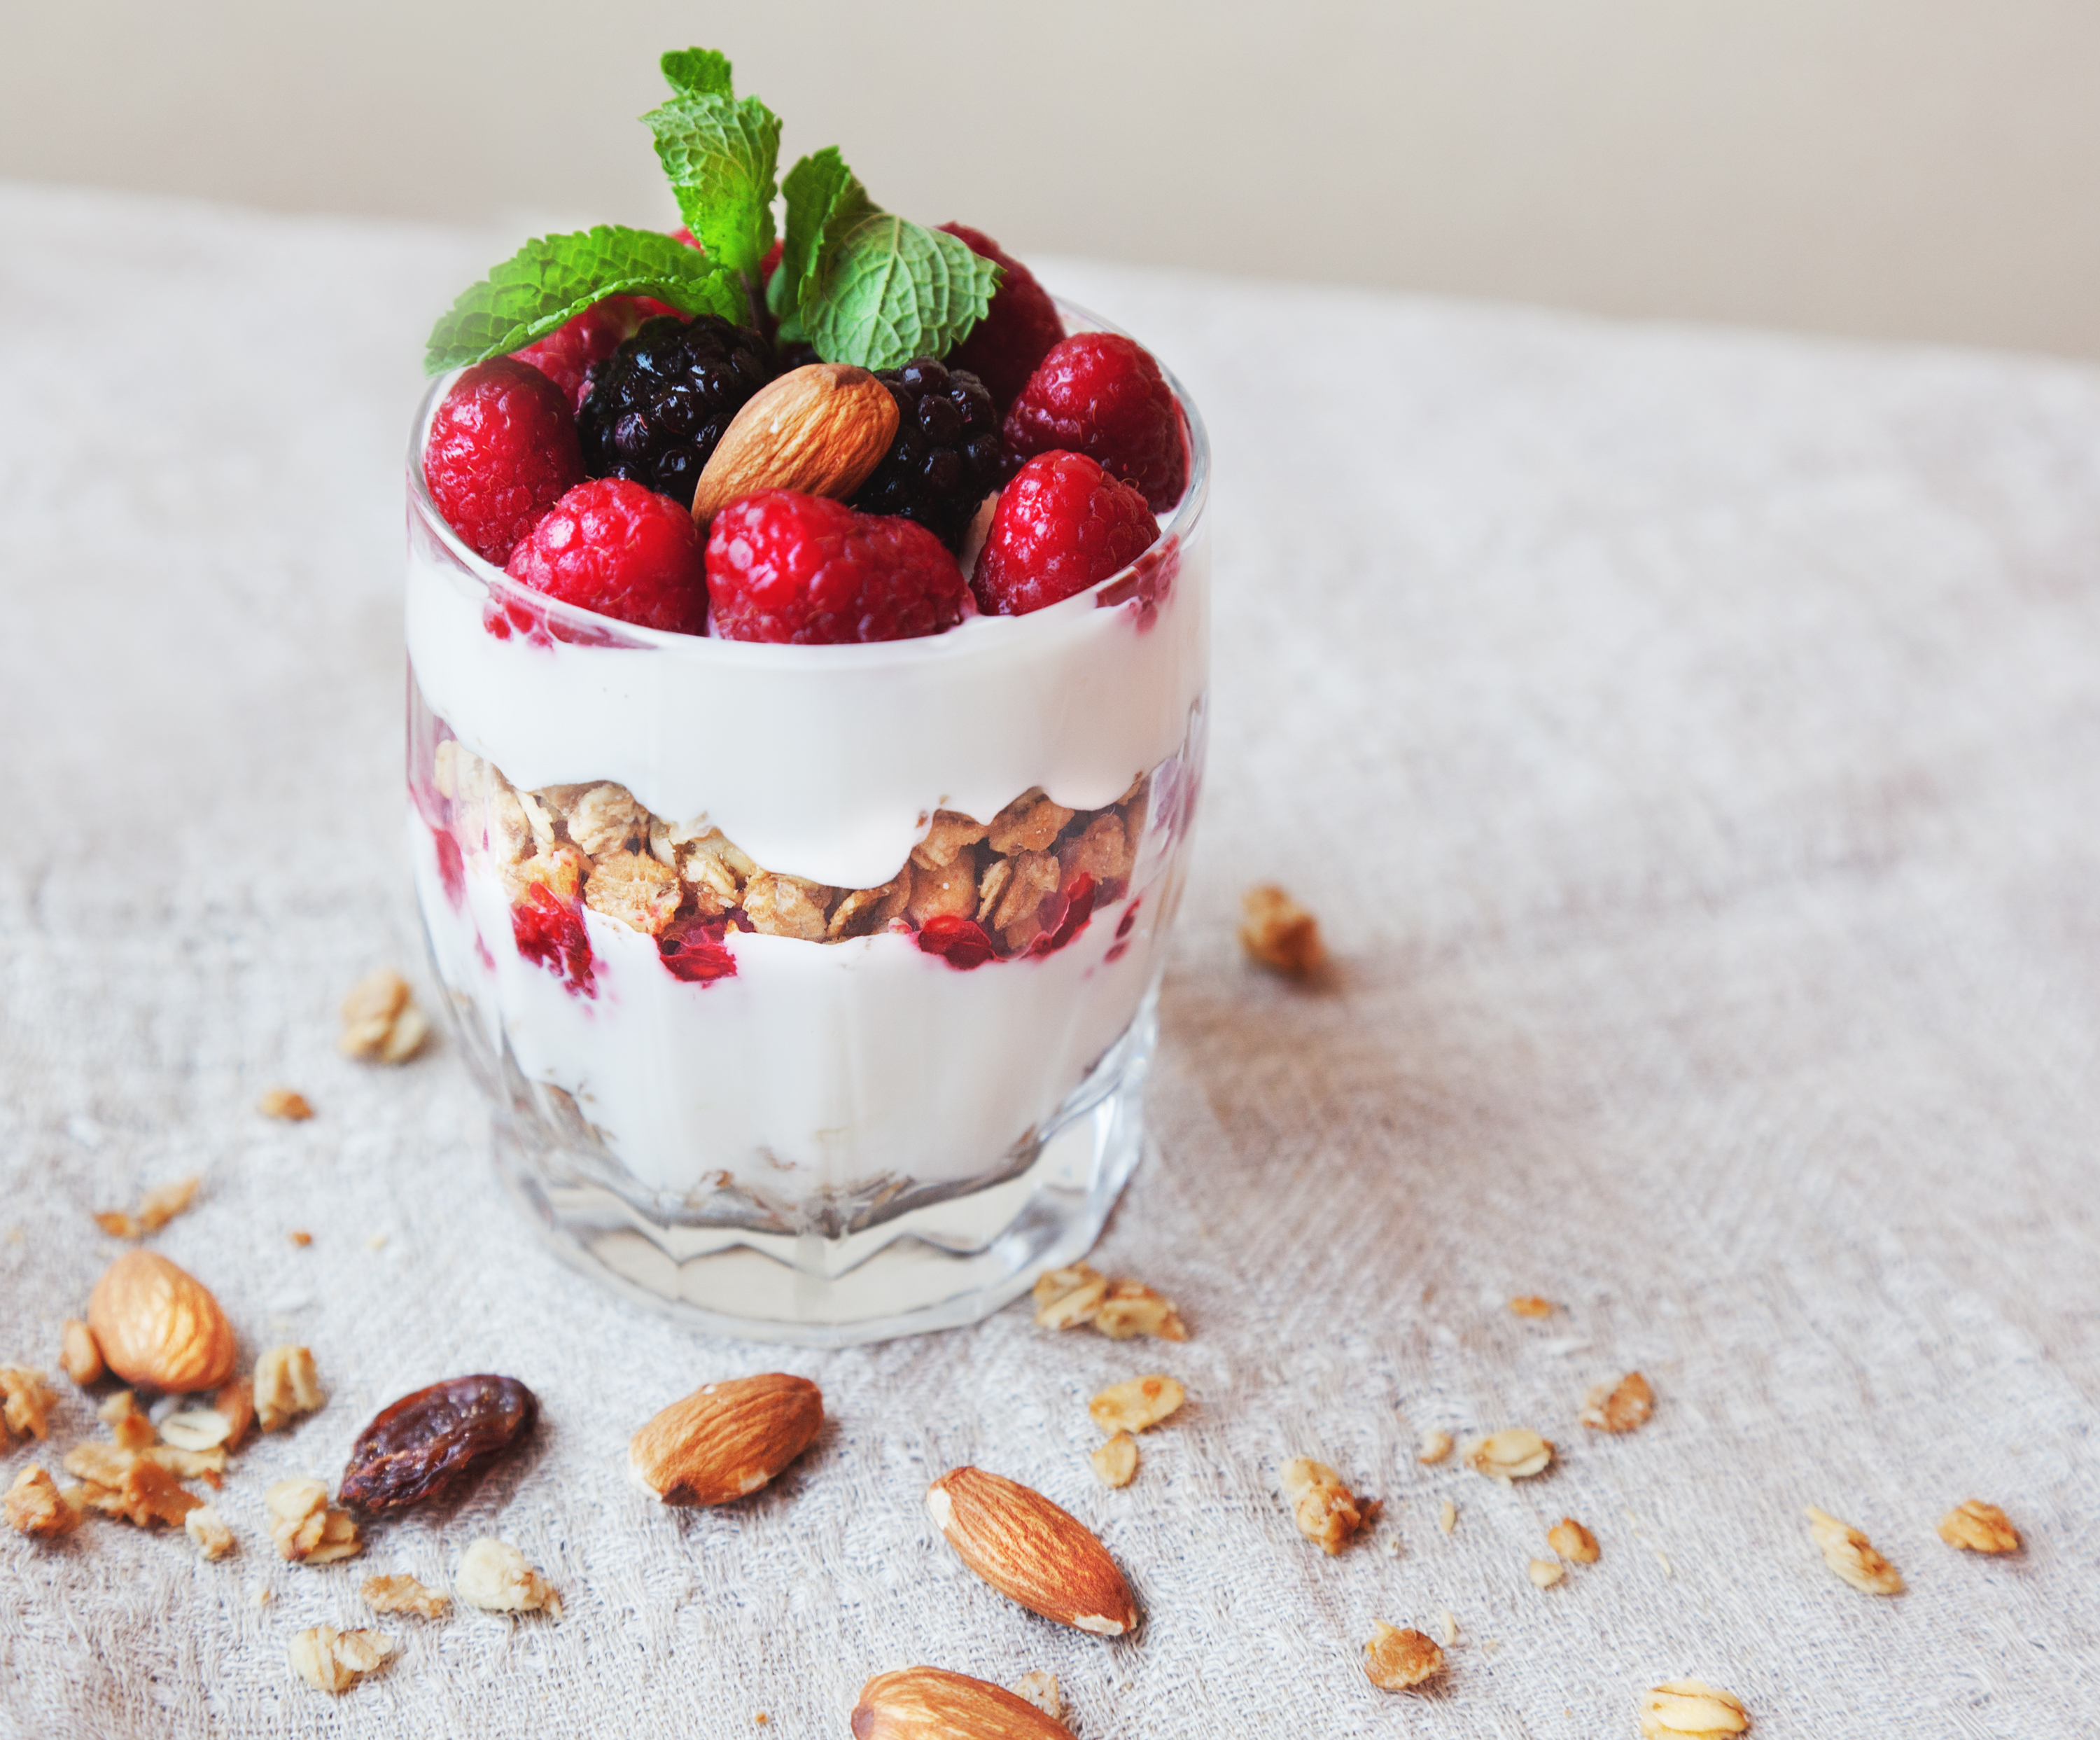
1924,169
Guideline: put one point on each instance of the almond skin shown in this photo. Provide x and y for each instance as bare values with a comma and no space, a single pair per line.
930,1703
158,1326
726,1440
821,429
1027,1548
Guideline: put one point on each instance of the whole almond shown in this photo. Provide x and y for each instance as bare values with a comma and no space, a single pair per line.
159,1326
821,429
930,1703
1027,1548
726,1440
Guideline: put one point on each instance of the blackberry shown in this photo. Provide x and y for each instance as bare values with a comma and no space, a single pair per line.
947,456
657,406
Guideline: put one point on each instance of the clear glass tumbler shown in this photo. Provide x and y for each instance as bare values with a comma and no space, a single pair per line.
813,987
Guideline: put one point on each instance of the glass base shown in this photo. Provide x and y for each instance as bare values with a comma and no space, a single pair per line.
926,1260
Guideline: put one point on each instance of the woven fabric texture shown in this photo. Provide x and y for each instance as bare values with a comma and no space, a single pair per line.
1686,740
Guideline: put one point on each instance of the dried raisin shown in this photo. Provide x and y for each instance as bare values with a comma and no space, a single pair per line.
426,1445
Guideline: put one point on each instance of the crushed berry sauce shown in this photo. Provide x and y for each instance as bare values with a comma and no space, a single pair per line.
550,933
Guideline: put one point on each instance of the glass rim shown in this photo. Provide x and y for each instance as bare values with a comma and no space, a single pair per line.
612,631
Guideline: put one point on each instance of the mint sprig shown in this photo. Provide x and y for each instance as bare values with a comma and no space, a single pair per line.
555,278
865,286
721,155
697,72
858,283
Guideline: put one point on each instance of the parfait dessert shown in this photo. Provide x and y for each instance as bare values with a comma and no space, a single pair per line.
807,625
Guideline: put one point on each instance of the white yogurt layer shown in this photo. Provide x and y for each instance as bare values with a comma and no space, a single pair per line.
821,761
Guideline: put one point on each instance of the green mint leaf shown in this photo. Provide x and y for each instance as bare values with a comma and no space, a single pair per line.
892,291
825,199
869,287
555,278
697,72
721,155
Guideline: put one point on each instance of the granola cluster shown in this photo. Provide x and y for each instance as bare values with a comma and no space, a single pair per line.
1003,885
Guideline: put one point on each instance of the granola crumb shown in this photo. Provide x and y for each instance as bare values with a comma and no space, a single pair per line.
306,1527
1545,1572
380,1021
1530,1304
34,1505
197,1429
208,1529
287,1103
116,1406
786,906
402,1593
236,1402
1447,1516
1132,1308
1040,1689
25,1403
1065,1298
285,1386
376,1242
1851,1555
1435,1446
494,1576
332,1661
1394,1660
1571,1540
633,889
300,1238
156,1207
164,1201
139,1485
80,1354
1327,1513
1279,934
1619,1407
1030,823
1977,1527
1137,1404
1516,1453
1450,1627
1115,1462
1691,1709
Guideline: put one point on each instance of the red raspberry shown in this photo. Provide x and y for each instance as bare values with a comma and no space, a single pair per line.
1018,331
1100,394
502,449
1062,525
787,566
566,354
616,548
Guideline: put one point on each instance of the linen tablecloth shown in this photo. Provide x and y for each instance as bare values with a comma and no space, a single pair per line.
1686,739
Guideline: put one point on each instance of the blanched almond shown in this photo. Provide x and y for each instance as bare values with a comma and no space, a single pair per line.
930,1703
726,1440
158,1325
1031,1550
821,429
